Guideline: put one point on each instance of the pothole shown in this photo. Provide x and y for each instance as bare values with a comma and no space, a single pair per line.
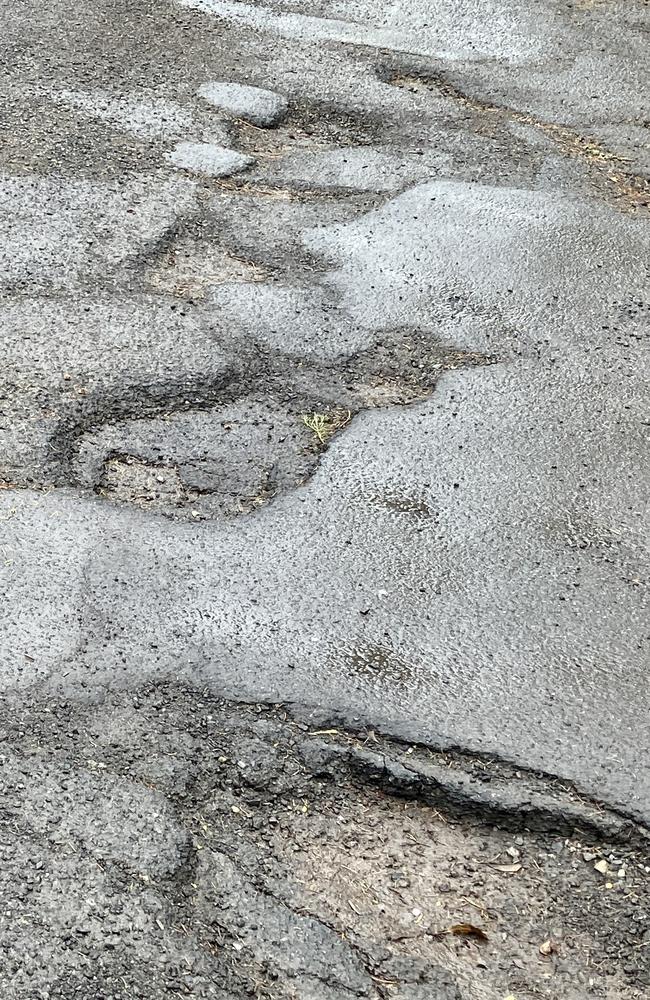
232,857
189,269
201,463
231,458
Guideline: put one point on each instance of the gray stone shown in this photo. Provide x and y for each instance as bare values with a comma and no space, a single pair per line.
206,158
260,107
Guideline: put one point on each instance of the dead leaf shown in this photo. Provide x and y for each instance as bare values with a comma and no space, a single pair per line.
546,947
508,869
468,930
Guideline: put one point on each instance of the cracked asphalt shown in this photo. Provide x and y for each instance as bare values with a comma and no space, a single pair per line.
324,500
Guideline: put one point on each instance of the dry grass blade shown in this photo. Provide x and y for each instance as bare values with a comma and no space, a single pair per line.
325,425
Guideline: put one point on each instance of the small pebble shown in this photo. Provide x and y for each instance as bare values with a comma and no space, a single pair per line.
260,107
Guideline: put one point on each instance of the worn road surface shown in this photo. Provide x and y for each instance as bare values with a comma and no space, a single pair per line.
324,488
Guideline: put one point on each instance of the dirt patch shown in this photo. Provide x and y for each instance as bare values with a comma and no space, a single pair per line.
126,478
503,915
169,844
189,269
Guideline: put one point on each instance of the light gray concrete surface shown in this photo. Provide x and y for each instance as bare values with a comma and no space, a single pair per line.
361,430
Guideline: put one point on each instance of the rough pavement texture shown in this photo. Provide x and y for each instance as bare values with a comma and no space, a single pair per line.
361,430
169,844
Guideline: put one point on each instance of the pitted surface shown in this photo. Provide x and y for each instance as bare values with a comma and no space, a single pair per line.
351,416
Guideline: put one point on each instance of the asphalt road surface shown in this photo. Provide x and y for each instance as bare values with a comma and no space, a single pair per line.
324,484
